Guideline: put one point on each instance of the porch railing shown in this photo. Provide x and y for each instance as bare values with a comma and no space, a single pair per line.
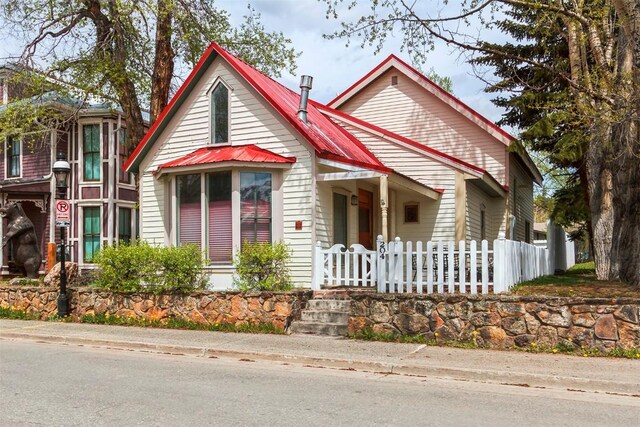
337,266
431,267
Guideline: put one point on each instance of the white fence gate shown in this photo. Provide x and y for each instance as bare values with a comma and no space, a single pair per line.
434,267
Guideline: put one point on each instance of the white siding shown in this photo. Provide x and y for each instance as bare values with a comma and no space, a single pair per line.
437,218
324,210
521,184
252,121
494,208
411,111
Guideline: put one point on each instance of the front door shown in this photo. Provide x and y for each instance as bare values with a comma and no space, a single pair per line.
365,218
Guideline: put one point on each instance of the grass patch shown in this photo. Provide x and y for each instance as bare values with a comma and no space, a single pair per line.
14,313
179,323
562,347
171,323
370,335
573,350
579,281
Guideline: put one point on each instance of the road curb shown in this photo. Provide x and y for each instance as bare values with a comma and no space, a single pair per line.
476,375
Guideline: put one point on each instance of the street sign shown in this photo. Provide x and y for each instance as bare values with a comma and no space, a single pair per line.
63,213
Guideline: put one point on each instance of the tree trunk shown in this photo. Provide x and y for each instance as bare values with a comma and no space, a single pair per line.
599,183
113,51
626,197
164,61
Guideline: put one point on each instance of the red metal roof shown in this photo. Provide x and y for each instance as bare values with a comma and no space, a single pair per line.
327,138
241,153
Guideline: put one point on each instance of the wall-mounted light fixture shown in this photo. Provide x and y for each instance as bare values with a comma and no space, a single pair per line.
354,200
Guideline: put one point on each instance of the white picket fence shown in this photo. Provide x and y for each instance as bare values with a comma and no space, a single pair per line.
433,267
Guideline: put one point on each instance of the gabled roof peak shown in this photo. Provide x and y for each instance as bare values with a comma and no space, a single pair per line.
427,84
327,138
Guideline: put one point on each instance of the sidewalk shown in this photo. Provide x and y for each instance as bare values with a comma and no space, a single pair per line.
606,375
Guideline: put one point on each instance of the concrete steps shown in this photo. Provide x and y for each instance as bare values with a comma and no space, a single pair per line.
316,328
324,315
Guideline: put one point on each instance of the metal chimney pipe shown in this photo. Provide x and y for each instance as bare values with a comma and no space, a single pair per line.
305,86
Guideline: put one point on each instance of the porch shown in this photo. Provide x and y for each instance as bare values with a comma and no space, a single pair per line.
355,204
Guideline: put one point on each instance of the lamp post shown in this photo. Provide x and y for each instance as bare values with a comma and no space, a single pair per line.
61,170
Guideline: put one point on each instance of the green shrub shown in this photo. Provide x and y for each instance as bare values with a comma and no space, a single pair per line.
263,266
139,267
182,268
126,267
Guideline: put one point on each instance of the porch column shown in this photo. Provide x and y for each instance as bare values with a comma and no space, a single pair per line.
384,206
461,207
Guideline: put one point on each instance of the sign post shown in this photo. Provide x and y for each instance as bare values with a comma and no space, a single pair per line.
63,213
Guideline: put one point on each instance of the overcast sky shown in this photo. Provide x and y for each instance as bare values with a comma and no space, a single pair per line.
334,66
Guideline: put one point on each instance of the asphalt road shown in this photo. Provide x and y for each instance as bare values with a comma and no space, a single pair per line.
61,385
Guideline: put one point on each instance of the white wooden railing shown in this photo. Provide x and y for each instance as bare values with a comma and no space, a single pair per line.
339,267
432,267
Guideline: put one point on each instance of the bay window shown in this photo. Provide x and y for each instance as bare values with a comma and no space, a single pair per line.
210,204
124,225
189,209
91,152
13,158
220,217
123,154
91,232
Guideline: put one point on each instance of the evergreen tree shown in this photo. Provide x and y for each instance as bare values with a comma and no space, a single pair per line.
542,106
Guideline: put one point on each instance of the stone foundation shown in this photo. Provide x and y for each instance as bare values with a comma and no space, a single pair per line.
238,308
502,321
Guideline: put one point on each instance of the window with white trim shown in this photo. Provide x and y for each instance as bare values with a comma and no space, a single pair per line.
255,207
220,114
124,225
91,152
91,232
220,217
14,148
189,209
123,154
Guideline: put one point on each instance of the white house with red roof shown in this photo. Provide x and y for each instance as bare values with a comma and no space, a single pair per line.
238,157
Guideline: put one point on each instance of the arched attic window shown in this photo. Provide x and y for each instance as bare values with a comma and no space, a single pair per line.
220,114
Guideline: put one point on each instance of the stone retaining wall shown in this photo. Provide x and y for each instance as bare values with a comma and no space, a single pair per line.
502,321
277,308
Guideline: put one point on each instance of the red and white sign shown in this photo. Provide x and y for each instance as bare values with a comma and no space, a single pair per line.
63,213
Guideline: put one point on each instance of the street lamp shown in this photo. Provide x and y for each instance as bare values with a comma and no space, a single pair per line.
61,170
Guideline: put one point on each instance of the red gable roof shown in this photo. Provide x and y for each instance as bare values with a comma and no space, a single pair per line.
329,140
242,153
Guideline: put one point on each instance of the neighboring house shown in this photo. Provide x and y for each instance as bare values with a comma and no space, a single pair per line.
103,197
236,156
540,231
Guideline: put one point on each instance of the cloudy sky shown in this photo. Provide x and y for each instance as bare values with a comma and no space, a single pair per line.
333,65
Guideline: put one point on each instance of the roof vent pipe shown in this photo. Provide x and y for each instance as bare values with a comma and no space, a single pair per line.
305,87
